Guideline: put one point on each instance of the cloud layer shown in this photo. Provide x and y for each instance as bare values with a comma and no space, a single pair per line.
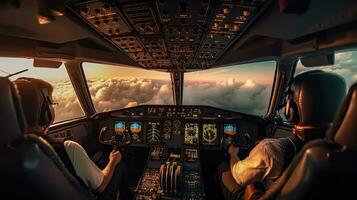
110,94
246,97
68,106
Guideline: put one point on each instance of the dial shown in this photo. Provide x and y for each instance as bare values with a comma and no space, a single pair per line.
209,135
191,133
167,129
176,127
135,137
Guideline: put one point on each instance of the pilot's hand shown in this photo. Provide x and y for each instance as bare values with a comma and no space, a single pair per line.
233,150
115,157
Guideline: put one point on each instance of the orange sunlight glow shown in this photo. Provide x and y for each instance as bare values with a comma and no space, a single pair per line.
248,84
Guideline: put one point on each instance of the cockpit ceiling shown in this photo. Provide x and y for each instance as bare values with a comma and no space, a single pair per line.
167,34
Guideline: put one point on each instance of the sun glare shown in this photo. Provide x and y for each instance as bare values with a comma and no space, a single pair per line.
249,84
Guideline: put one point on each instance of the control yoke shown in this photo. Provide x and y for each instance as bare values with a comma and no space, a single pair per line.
117,140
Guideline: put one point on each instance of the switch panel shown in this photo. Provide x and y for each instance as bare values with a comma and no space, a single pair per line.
104,17
141,17
170,34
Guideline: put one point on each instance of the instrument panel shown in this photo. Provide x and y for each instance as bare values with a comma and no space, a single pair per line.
177,126
179,136
206,134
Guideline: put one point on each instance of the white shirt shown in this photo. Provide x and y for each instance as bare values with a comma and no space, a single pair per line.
85,168
264,164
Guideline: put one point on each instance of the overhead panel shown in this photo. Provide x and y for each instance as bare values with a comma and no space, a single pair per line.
169,34
183,23
228,20
104,17
141,17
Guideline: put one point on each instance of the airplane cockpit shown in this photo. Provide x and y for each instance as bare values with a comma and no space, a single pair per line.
173,85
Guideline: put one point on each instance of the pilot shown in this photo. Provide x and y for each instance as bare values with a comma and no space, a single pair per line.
312,100
37,103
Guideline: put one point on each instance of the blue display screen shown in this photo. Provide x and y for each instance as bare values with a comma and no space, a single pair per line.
135,127
229,129
119,127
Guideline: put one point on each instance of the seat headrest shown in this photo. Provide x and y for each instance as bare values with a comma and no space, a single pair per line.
317,96
12,121
344,128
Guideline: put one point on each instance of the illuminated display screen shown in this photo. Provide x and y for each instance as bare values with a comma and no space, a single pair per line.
153,133
119,127
191,133
135,127
229,129
209,134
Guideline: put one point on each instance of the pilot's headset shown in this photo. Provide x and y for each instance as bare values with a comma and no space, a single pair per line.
47,113
313,97
291,108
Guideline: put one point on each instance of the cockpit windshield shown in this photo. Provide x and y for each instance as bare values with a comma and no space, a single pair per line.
244,88
117,87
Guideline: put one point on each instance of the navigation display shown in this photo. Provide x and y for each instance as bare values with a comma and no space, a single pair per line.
119,127
191,133
135,129
230,129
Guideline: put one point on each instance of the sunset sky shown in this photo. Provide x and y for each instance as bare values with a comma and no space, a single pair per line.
94,70
259,72
12,65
